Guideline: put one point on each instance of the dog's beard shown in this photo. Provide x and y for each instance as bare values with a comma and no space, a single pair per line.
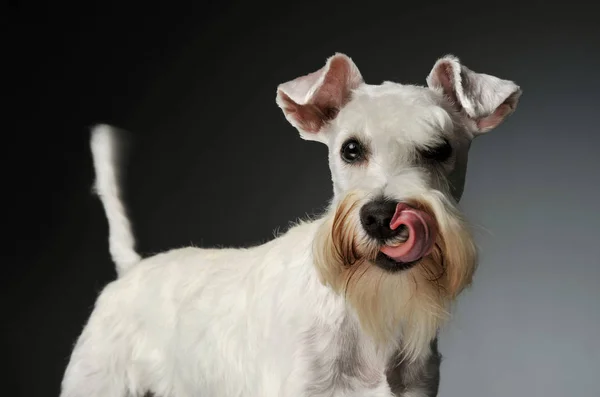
404,308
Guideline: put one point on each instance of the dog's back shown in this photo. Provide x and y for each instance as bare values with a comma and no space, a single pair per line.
152,327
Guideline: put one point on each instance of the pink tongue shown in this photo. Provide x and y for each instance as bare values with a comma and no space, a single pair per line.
422,232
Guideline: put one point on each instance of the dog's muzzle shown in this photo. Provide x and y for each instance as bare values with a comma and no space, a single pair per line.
406,234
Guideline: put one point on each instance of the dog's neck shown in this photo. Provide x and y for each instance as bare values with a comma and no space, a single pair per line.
333,314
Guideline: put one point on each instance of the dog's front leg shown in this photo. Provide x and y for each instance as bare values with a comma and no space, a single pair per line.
418,379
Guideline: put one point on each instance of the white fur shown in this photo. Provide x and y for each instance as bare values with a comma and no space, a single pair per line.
207,322
478,94
238,322
121,242
485,93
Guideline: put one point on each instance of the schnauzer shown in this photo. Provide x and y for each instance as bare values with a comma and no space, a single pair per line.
347,304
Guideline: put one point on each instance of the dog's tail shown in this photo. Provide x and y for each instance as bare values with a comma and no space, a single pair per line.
106,145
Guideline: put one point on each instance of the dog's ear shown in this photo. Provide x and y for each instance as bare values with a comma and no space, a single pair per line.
310,102
484,100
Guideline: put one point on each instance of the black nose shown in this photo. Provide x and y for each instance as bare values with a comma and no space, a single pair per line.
375,217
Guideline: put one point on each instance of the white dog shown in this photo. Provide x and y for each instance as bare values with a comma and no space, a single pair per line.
348,304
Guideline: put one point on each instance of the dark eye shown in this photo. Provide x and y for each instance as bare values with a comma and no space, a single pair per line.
352,151
439,153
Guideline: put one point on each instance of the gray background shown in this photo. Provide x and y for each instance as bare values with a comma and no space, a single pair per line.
213,162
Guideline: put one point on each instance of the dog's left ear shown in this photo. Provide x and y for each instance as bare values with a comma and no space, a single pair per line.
484,100
310,102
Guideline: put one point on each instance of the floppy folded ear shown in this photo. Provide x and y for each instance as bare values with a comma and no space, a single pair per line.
310,102
483,100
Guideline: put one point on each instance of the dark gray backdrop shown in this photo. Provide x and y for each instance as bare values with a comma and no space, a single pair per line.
213,162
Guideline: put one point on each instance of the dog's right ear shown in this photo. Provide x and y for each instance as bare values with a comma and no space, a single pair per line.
310,102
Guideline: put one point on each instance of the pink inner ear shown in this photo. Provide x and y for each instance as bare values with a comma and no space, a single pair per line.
336,89
493,120
444,75
331,89
489,122
306,117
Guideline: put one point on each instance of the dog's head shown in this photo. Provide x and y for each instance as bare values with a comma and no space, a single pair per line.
395,244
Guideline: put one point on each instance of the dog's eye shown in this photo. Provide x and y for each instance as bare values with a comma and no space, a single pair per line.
352,151
440,153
